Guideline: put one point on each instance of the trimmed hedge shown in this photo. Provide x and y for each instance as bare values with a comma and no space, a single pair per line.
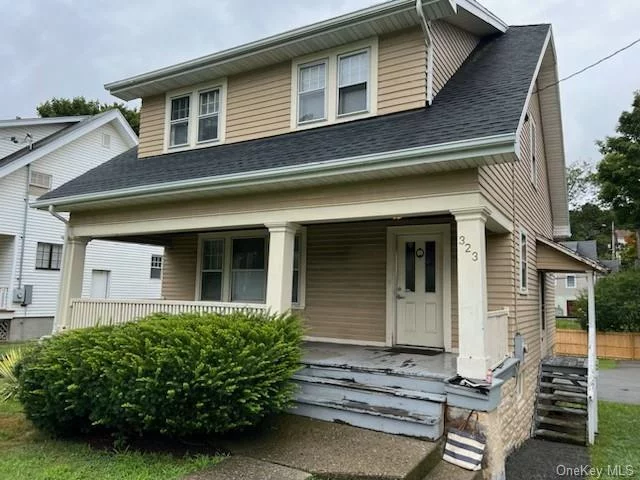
617,303
176,375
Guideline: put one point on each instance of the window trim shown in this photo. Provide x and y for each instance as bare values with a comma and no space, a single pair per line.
228,237
179,121
523,289
152,267
331,87
533,146
575,281
50,256
193,93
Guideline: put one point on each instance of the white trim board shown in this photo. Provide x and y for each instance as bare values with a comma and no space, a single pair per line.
444,230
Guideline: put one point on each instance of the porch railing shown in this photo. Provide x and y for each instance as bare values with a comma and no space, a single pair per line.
4,298
89,312
497,336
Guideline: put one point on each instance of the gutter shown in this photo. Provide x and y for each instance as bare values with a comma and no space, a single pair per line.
428,41
477,147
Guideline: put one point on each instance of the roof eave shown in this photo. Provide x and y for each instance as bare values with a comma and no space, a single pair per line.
494,147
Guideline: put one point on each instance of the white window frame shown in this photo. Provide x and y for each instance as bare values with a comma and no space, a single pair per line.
331,56
33,183
368,106
193,93
155,266
533,146
228,256
322,61
523,280
575,281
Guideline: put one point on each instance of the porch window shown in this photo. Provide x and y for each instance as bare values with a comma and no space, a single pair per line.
234,268
571,281
156,267
353,81
524,269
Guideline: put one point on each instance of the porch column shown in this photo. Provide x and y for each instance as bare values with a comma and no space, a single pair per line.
280,269
592,388
473,359
72,273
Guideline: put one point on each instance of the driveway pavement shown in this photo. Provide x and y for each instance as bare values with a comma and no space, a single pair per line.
620,384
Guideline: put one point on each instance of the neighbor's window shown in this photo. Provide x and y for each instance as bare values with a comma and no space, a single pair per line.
48,256
156,266
523,262
179,133
312,80
571,281
208,115
353,80
234,268
533,152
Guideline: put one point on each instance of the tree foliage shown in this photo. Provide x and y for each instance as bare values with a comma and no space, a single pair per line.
62,107
618,173
581,187
617,302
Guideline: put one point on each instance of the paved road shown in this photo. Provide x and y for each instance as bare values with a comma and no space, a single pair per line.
621,384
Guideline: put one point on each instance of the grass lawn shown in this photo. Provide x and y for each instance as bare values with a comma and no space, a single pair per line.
28,454
568,324
607,364
617,440
6,346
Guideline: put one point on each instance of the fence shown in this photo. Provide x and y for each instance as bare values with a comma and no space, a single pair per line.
614,345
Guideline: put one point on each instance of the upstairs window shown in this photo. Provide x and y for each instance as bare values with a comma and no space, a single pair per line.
533,152
312,80
524,268
353,80
208,115
179,134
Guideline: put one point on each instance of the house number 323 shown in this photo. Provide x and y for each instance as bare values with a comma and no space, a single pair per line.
467,248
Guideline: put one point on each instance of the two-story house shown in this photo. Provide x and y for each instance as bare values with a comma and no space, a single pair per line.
395,175
36,156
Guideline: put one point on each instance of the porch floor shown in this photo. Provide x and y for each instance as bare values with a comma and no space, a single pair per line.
380,359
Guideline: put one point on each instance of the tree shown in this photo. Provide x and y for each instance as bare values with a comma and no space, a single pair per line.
581,188
61,107
618,173
590,222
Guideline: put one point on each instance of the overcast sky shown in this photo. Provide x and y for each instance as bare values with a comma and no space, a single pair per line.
72,47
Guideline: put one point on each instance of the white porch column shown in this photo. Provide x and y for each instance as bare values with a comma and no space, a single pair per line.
71,276
280,269
473,359
592,397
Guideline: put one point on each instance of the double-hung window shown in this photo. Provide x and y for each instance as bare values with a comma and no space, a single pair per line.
533,152
48,256
156,267
179,130
208,115
312,81
234,268
524,267
353,81
571,281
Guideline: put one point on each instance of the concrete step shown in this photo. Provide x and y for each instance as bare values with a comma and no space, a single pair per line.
579,439
446,471
380,397
382,419
375,377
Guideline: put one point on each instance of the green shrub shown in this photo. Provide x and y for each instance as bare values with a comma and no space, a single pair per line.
617,303
176,375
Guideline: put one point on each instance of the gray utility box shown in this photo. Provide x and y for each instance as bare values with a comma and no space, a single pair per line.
23,295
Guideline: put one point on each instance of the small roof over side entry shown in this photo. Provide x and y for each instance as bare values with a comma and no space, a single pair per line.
554,257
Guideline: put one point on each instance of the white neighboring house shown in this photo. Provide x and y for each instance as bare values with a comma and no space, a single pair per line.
37,155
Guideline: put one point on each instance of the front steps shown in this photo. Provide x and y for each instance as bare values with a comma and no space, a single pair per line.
561,405
375,399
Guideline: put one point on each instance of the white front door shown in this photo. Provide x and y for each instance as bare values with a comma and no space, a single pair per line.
419,312
100,283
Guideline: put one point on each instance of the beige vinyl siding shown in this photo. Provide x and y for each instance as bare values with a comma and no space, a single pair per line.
151,126
552,260
259,103
452,46
179,268
402,79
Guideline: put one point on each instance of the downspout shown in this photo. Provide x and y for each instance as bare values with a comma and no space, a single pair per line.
52,211
428,41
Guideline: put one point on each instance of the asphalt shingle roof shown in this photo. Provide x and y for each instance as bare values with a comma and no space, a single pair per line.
485,97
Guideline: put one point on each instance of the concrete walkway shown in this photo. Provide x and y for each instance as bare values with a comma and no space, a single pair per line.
244,468
620,384
334,450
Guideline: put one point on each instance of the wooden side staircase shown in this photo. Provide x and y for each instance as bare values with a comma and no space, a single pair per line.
561,404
